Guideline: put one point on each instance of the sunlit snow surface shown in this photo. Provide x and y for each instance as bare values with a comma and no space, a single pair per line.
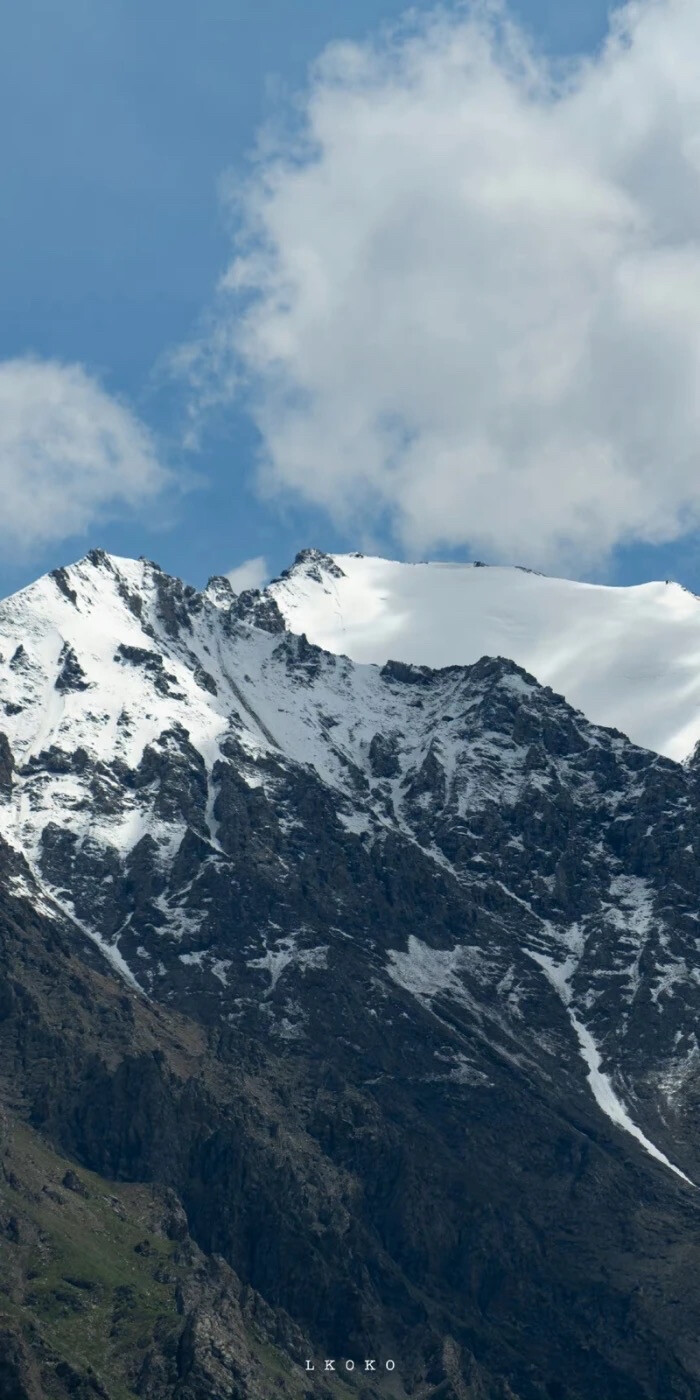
628,657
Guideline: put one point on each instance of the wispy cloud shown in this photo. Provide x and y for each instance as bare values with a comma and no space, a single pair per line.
70,454
466,288
252,573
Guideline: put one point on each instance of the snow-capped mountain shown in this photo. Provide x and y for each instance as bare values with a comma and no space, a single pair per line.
628,657
450,921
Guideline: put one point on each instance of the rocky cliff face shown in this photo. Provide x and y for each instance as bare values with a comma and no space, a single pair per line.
381,982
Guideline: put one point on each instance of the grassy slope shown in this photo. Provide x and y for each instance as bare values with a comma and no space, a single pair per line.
88,1276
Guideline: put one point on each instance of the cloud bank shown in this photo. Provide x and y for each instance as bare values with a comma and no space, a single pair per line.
69,454
465,293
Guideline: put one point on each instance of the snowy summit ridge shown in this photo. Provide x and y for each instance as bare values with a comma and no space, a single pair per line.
629,658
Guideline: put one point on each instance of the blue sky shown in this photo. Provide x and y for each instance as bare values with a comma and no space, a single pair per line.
123,118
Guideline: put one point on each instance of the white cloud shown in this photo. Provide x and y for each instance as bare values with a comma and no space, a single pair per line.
466,294
69,453
252,573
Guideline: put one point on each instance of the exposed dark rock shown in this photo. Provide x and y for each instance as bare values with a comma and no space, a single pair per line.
151,662
172,597
301,658
384,756
19,1377
204,679
71,675
133,601
72,1182
404,674
60,578
100,559
220,583
139,656
55,760
7,765
258,610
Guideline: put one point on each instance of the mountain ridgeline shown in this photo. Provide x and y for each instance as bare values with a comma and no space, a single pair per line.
346,1011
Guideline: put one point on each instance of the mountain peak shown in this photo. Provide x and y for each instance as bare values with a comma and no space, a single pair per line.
312,563
625,656
418,923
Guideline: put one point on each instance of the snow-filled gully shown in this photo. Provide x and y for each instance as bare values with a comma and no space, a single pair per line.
601,1084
